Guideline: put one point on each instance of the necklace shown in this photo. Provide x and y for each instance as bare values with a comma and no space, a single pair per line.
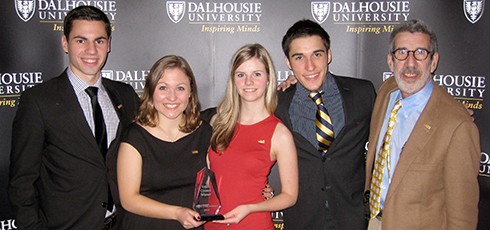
168,135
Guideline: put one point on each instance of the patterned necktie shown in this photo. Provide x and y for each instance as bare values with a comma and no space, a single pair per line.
382,159
324,127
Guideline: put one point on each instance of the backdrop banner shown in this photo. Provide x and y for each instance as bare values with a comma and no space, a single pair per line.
207,33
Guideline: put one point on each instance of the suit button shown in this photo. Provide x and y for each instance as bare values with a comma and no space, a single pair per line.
104,204
326,188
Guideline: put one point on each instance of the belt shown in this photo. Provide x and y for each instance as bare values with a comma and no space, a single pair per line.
109,222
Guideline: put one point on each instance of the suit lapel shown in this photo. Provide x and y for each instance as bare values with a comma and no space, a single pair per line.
115,99
70,104
284,102
417,141
282,112
377,123
348,104
118,106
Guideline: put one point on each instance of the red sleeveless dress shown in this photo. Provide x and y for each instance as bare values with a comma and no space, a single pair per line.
241,172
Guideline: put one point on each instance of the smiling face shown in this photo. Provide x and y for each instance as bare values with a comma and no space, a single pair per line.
412,75
308,59
87,46
250,79
172,93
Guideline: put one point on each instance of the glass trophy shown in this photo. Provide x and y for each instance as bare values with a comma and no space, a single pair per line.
206,197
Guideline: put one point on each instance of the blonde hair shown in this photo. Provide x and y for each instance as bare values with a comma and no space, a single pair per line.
147,114
229,107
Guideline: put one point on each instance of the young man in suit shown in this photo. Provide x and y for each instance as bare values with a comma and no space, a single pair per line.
425,175
58,171
330,181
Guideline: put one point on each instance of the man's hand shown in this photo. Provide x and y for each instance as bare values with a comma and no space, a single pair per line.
268,192
470,111
291,80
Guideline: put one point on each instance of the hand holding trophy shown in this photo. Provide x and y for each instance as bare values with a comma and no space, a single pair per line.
206,197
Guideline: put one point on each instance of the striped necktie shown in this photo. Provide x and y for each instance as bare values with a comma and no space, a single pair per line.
324,127
382,160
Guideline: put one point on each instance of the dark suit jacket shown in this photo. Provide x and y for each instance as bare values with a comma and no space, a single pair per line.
58,177
435,181
339,179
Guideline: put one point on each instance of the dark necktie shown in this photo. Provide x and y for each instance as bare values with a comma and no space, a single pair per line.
323,123
100,130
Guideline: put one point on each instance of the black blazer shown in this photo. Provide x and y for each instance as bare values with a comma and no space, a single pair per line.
58,177
339,179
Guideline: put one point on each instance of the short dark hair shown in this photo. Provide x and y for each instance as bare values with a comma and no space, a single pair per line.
89,13
414,26
304,28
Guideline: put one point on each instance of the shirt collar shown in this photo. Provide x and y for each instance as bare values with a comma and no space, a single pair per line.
416,100
79,84
327,87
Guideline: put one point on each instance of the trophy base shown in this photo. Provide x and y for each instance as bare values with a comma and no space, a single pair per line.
210,217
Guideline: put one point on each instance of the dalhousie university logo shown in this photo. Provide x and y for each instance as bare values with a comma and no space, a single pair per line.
25,9
473,9
320,11
175,10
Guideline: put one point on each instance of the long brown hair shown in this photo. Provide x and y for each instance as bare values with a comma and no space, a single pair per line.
147,114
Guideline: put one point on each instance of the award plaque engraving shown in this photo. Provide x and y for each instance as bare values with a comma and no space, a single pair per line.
206,197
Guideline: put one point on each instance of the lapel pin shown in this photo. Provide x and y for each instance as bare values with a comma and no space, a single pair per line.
195,151
427,126
261,141
119,106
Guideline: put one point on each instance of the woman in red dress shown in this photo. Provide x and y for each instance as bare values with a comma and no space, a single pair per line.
247,141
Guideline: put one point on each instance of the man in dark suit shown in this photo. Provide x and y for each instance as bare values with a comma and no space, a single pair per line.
58,172
425,175
330,182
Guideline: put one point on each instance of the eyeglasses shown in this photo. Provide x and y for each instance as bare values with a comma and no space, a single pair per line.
419,54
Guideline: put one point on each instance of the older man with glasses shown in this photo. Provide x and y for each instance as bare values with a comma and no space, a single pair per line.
424,149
